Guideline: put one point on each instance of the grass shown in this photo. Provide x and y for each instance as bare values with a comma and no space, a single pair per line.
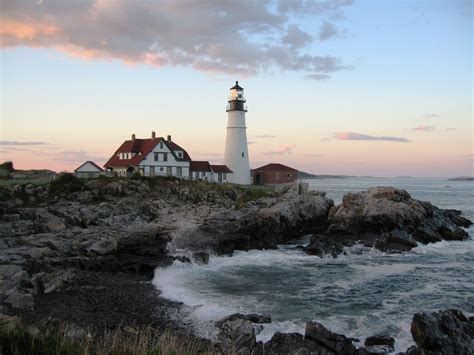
119,342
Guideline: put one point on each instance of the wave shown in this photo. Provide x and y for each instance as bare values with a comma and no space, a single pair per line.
359,294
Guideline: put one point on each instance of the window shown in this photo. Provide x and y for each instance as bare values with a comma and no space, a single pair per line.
225,176
168,170
161,168
243,154
161,145
277,176
165,156
156,156
289,174
179,171
180,155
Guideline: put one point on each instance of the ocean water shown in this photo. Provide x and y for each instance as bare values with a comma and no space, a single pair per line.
359,294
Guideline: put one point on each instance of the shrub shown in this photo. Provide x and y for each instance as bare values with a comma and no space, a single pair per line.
66,183
7,166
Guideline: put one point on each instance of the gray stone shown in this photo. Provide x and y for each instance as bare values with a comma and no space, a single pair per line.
334,342
20,300
201,257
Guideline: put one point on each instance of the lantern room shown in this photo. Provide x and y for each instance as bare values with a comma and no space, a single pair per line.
236,99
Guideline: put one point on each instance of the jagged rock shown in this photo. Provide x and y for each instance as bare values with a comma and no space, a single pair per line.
337,343
378,344
237,336
292,343
390,220
443,332
253,318
263,224
321,245
20,300
201,257
395,241
47,283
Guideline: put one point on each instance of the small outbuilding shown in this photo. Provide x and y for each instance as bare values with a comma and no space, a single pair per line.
88,170
273,174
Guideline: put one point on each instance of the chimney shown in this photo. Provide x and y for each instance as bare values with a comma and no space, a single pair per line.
133,136
169,138
153,134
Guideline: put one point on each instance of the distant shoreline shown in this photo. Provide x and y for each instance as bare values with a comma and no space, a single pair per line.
462,178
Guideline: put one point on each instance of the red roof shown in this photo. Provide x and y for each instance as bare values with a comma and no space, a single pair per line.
200,166
275,167
142,147
221,169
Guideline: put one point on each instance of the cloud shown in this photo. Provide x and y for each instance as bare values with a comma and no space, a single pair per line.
263,136
318,76
282,150
328,31
423,128
352,136
251,142
468,157
231,37
430,115
295,37
15,143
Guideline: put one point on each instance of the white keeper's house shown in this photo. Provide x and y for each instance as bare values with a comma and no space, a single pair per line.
157,156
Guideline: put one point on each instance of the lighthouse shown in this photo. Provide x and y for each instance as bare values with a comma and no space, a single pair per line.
236,155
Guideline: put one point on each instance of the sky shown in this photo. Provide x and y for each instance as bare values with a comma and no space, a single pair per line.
363,87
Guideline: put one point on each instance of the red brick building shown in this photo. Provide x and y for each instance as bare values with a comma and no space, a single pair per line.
272,174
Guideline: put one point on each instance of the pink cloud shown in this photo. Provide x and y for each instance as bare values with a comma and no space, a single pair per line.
353,136
175,33
423,128
282,150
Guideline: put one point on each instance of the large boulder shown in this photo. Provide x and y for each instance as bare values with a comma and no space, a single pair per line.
237,336
392,221
265,223
292,343
444,332
336,343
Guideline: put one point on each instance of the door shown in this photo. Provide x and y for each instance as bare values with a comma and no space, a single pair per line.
258,179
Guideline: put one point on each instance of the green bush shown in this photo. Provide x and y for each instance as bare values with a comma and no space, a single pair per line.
7,166
66,183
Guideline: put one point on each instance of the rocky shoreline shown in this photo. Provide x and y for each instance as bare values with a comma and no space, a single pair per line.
84,252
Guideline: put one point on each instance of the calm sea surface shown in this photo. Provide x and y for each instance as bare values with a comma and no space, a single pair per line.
361,294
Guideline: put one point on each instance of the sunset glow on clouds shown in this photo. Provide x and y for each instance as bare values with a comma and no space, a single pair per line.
333,87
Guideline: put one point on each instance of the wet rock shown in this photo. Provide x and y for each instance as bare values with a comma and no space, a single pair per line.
321,245
237,336
253,318
201,257
395,241
378,344
392,221
337,343
443,332
292,343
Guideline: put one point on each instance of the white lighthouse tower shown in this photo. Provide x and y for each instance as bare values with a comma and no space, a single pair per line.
236,155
